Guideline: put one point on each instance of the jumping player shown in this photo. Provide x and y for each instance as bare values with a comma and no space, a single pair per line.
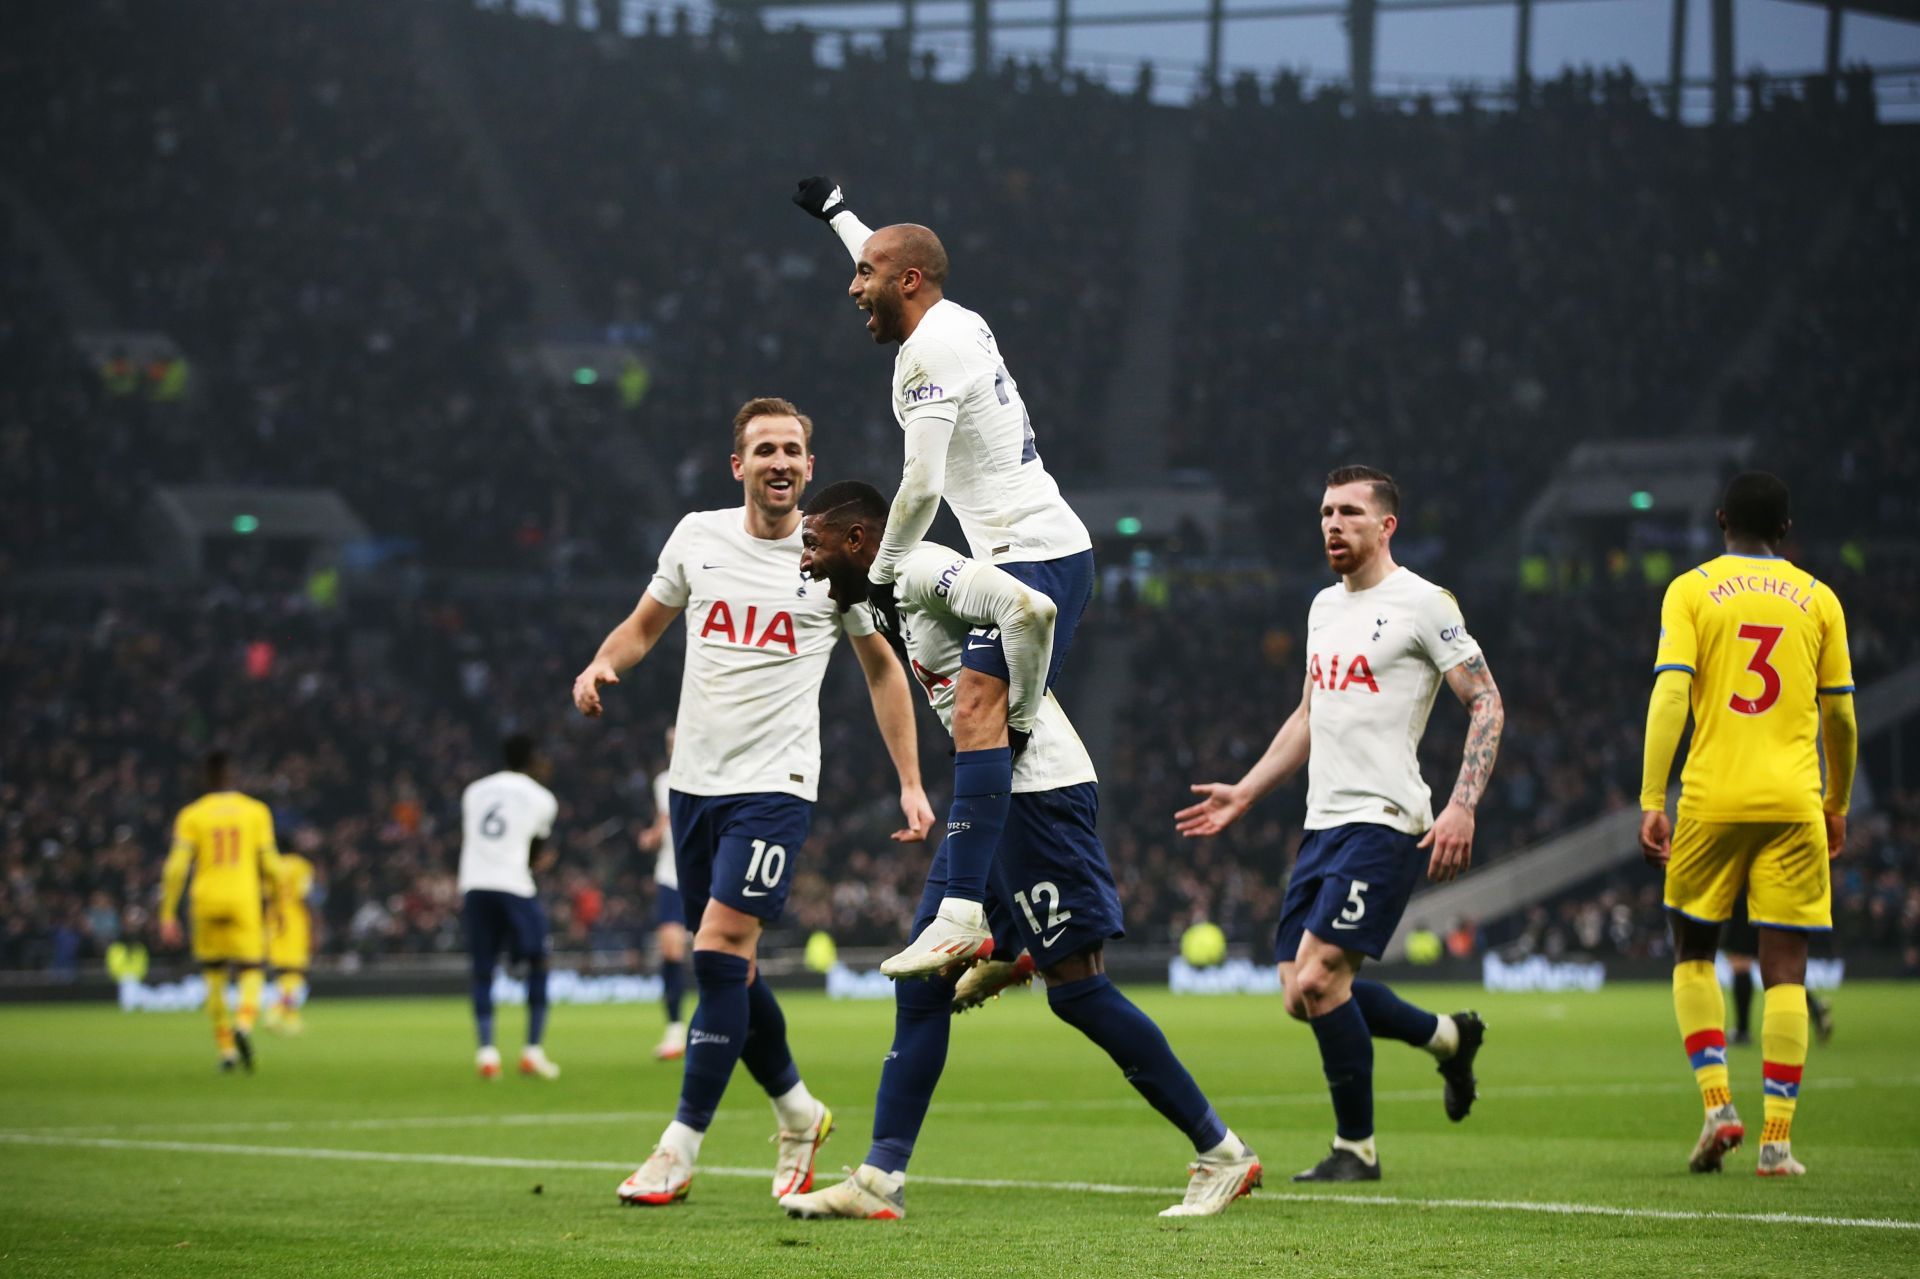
745,771
1758,648
968,439
505,817
1050,886
1379,645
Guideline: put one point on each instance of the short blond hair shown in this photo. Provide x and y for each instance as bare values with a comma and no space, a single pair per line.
768,406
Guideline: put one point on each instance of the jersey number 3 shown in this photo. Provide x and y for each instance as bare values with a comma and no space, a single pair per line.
1764,638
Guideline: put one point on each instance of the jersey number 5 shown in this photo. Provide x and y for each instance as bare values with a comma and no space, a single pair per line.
1764,638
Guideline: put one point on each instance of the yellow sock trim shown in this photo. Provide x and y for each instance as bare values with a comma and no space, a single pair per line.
1702,1015
1783,1048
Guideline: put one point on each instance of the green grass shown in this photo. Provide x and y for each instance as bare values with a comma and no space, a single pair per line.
1585,1100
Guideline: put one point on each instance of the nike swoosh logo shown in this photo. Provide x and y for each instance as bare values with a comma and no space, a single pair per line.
748,892
971,647
1338,924
704,565
1048,941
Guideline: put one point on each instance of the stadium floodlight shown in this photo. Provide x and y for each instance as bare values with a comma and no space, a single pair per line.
244,524
1641,500
1127,526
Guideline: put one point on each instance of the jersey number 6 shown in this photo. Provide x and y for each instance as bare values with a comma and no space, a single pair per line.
1764,638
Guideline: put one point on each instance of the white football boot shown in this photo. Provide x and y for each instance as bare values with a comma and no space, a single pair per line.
988,978
1776,1160
663,1179
673,1044
867,1194
1723,1132
957,935
793,1166
487,1062
533,1061
1215,1181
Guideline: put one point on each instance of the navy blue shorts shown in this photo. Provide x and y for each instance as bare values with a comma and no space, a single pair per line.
498,921
1050,890
1349,886
738,850
668,906
1068,582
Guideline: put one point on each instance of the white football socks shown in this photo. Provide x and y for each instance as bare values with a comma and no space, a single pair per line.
1362,1148
796,1109
683,1141
1446,1038
1230,1147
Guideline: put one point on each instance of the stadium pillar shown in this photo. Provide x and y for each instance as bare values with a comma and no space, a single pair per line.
1523,52
1676,58
1216,24
982,38
1062,18
1722,17
1836,14
1360,44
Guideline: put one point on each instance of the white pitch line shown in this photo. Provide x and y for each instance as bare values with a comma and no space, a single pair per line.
564,1118
977,1183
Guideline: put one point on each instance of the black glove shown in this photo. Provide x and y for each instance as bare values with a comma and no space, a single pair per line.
886,613
1018,739
821,197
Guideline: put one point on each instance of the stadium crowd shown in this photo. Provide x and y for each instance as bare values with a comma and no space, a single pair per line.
1457,295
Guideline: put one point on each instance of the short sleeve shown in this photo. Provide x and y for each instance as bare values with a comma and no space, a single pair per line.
1836,664
931,380
857,620
669,584
1443,632
549,811
1679,642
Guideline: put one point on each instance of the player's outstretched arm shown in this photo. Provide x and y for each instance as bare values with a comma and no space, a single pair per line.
823,198
929,430
1666,721
1451,836
893,711
623,648
1221,804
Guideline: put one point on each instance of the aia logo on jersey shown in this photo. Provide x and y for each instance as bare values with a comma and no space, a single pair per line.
1330,678
777,634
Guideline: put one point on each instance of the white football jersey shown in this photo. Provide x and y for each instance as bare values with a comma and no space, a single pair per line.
666,872
1374,663
942,595
500,817
999,489
758,640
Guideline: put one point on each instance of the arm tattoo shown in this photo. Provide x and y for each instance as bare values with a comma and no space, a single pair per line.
1473,684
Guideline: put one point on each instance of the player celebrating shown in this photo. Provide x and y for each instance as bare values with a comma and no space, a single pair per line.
1760,649
1379,643
290,943
504,818
1050,866
226,840
745,771
669,916
968,438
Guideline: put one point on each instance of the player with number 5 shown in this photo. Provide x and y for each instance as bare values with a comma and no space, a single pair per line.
1379,644
745,772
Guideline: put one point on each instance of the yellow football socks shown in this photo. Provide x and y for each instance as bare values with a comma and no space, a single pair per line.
1703,1019
293,990
1783,1050
252,980
217,1009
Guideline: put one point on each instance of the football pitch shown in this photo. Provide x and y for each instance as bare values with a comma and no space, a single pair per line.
368,1147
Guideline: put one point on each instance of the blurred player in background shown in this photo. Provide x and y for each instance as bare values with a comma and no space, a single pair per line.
1757,649
225,839
1050,890
505,817
1379,644
670,915
290,944
968,438
745,773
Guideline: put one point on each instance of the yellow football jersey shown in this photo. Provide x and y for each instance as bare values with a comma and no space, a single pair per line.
227,840
1762,639
289,923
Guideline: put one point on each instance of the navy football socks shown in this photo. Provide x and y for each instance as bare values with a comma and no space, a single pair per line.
483,1007
765,1053
673,985
718,1034
982,793
536,1001
1346,1056
1095,1007
922,1024
1391,1017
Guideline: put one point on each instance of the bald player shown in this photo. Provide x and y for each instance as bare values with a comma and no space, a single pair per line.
969,440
